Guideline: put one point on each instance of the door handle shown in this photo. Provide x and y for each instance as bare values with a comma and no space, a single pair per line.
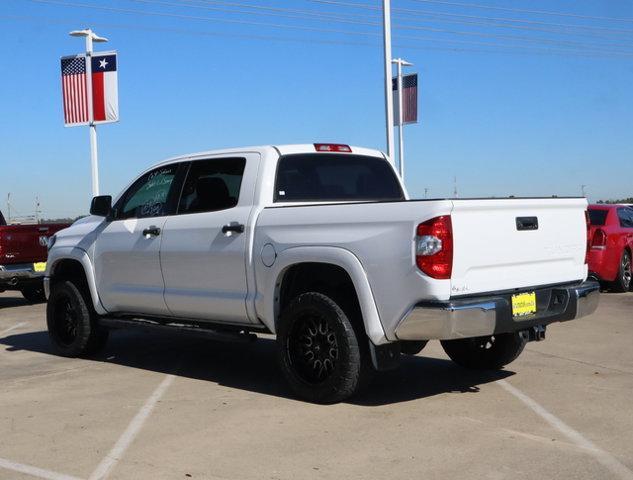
233,227
151,231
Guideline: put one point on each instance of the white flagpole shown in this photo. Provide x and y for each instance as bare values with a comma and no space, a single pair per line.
400,62
386,18
94,163
94,160
400,129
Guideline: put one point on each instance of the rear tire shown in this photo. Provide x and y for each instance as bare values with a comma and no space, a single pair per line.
485,353
623,280
34,294
322,356
72,322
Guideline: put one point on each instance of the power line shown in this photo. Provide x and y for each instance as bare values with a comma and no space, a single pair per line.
317,29
418,12
135,27
521,10
278,12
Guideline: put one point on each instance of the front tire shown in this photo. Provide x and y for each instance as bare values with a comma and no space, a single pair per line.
485,353
322,356
623,281
72,322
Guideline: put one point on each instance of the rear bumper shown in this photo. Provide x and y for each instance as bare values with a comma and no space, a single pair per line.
492,314
13,276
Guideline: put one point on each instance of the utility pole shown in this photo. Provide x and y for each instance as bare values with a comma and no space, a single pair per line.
455,194
386,21
37,209
582,189
9,207
91,37
426,192
400,62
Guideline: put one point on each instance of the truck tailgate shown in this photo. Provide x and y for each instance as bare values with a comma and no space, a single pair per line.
498,244
21,243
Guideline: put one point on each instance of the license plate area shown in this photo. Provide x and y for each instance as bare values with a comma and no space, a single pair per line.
523,305
39,267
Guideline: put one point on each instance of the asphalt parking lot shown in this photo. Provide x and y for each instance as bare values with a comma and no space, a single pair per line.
157,407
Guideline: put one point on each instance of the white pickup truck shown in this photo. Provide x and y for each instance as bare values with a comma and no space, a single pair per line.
319,245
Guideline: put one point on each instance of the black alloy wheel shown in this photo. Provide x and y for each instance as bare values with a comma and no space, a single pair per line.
72,322
313,348
323,355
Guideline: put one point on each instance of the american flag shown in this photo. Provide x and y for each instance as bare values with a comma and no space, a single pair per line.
74,90
409,99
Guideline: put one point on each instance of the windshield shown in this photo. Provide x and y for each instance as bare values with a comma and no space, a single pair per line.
335,177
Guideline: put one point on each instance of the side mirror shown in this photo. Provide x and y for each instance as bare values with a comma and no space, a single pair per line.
101,206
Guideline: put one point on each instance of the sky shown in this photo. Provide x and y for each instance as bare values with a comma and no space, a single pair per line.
517,97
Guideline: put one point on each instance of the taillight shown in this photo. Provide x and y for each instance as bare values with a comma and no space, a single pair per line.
434,247
332,147
599,240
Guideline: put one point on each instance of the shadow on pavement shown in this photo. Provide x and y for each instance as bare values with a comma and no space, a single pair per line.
253,367
17,301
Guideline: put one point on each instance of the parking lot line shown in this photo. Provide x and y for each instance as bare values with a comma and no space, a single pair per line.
605,458
126,439
34,471
10,329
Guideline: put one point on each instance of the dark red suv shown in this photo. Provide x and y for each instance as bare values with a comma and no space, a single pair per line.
611,236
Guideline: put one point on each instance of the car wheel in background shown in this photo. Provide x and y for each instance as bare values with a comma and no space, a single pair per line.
322,356
492,352
623,281
71,321
34,294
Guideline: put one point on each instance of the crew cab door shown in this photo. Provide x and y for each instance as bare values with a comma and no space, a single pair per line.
204,246
127,250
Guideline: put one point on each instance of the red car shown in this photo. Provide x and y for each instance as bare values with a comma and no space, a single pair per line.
611,237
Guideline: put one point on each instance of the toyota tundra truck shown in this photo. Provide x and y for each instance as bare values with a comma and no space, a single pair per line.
319,245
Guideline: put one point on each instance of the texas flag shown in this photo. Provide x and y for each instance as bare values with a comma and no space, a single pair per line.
105,98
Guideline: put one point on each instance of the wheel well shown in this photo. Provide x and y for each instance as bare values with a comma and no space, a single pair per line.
325,278
69,270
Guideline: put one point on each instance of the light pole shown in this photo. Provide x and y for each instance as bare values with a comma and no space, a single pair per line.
400,62
91,37
386,21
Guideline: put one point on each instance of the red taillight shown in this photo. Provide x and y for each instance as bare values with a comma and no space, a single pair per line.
332,147
599,240
434,247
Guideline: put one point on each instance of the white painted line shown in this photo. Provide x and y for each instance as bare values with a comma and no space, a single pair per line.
126,439
14,327
605,458
34,471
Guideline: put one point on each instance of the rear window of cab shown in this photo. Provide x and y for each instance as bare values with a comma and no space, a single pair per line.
335,177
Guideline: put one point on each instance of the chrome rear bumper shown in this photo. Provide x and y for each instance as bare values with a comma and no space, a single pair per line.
487,315
12,275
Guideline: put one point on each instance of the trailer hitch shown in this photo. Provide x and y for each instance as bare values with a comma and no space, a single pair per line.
534,334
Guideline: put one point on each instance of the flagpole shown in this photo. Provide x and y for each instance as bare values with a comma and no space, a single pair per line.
94,158
386,18
400,62
94,162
